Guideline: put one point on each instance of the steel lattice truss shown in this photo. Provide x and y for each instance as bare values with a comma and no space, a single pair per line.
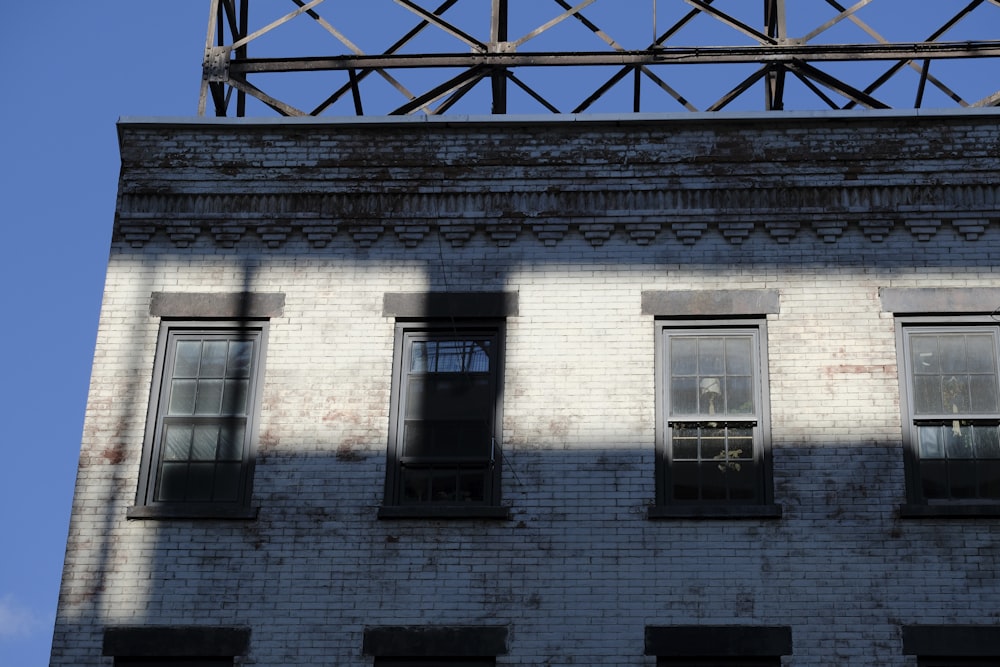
343,57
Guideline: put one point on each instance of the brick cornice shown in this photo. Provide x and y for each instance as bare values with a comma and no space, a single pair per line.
642,215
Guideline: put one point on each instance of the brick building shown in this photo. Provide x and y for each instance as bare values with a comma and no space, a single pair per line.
639,390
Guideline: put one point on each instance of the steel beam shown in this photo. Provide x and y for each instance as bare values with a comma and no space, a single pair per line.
495,56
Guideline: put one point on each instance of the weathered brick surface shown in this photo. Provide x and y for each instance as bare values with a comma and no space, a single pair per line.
578,571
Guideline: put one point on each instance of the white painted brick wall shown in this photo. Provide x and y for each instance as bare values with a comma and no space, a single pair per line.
578,571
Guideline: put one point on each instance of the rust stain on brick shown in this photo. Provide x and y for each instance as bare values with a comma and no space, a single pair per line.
346,453
114,454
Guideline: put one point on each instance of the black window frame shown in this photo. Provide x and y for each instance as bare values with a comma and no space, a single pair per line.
407,332
762,505
147,504
918,503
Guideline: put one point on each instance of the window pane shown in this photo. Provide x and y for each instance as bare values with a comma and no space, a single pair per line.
738,356
984,394
209,401
713,444
987,442
955,394
713,464
177,442
684,396
924,354
711,356
213,359
182,394
684,356
188,358
962,478
206,437
200,478
713,482
231,442
739,396
951,347
685,480
415,484
472,485
234,397
742,481
685,443
227,482
934,479
931,446
958,442
989,480
450,356
443,485
172,482
446,439
240,359
927,394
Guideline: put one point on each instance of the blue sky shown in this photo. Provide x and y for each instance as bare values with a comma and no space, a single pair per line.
68,70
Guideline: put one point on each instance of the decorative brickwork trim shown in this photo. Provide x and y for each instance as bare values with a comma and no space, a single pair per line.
595,216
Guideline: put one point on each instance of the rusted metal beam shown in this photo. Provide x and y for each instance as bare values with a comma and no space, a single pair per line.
662,56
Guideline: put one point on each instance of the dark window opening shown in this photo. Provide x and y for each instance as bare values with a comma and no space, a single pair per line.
445,413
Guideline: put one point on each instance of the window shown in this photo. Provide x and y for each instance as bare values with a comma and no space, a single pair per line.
198,456
443,449
949,380
713,424
718,645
